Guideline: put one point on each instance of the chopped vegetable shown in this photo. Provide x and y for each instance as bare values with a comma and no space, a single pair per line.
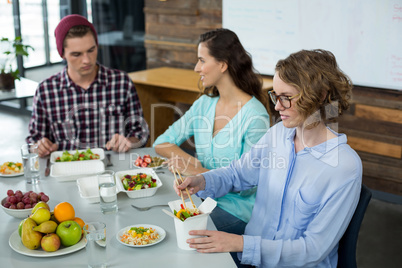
11,168
138,181
184,214
77,156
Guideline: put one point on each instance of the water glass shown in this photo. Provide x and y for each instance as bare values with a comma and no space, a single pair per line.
107,192
95,237
30,161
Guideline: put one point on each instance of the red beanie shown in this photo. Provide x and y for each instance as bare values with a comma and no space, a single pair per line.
65,25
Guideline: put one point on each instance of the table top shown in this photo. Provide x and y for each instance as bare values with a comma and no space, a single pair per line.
175,78
164,254
24,88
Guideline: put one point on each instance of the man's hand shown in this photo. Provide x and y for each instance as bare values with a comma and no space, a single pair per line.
46,147
119,143
215,241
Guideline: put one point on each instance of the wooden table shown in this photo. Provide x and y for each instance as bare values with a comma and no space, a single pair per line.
160,88
24,89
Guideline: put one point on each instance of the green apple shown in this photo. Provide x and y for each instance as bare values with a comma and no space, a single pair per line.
50,242
20,227
69,233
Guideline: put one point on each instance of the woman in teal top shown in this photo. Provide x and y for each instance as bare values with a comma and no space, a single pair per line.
225,122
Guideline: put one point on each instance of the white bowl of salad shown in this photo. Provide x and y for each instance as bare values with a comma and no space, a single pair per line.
142,182
77,155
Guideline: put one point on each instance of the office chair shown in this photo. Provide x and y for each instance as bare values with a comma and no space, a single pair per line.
348,242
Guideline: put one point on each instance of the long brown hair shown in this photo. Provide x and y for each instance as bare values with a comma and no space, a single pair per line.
225,46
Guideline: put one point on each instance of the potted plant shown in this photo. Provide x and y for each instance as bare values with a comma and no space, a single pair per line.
13,48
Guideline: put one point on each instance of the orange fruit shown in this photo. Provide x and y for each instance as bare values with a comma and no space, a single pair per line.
79,221
64,212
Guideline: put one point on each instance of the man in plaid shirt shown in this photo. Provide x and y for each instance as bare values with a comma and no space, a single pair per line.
86,104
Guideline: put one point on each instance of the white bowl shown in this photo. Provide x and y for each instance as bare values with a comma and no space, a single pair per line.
17,213
138,193
89,189
71,171
56,154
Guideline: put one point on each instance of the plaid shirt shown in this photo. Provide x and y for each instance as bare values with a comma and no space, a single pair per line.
76,118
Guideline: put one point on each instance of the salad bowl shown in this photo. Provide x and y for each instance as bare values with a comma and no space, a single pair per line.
139,193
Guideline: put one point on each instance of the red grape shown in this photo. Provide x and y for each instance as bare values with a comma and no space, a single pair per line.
19,200
33,196
13,200
26,200
44,198
18,192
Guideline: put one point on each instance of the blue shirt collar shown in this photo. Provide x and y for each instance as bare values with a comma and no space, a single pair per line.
321,149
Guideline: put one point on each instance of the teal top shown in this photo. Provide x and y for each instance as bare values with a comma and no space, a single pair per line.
243,131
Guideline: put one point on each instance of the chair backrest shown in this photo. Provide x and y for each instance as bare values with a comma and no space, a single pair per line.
348,242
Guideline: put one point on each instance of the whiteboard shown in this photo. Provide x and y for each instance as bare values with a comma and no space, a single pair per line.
364,35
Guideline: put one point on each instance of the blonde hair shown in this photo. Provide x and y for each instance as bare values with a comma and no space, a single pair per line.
324,89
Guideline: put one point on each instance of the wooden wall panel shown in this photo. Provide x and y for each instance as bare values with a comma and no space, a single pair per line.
172,29
375,147
378,113
374,129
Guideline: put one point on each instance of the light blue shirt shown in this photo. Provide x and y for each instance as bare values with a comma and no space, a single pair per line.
240,133
304,201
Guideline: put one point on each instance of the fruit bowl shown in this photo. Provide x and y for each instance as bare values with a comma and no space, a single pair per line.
17,213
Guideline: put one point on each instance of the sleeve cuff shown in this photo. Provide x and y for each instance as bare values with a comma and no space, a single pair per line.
251,250
209,190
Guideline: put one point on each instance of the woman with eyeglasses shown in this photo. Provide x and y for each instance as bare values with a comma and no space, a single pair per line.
308,178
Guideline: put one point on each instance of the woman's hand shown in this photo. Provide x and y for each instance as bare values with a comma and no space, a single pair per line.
215,241
193,184
186,167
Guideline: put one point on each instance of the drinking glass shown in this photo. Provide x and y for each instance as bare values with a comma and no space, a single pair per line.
30,161
107,192
95,237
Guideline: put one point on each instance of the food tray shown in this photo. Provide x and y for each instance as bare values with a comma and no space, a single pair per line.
88,189
138,193
56,154
70,171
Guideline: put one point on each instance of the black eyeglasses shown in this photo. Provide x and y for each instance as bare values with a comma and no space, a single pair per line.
284,100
